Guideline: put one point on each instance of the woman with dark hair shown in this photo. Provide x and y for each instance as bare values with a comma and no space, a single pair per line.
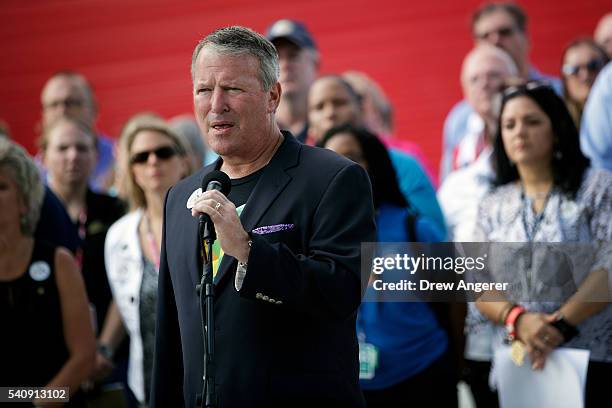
582,60
404,349
547,193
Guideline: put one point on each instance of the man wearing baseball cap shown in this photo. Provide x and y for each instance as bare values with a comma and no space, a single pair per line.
299,65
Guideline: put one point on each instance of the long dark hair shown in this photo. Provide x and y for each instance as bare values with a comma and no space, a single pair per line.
385,186
568,163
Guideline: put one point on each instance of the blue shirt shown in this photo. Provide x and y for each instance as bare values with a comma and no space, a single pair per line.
416,187
407,334
596,125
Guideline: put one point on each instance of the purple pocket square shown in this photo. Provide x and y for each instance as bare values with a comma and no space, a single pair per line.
268,229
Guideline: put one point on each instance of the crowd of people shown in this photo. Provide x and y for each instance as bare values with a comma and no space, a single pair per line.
85,237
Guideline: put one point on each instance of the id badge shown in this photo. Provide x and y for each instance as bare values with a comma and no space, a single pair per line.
368,360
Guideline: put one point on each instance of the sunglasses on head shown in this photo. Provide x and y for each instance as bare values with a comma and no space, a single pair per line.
527,86
592,66
162,153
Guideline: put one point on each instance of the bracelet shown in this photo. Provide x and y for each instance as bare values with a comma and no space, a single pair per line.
512,319
501,318
567,330
245,264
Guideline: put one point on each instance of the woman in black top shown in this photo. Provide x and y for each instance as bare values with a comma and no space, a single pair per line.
47,337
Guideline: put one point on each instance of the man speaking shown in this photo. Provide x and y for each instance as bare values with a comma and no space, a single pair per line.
289,232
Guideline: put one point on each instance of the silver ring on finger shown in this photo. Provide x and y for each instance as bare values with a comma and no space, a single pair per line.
217,206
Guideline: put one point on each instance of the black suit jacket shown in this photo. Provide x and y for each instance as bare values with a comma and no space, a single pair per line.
288,336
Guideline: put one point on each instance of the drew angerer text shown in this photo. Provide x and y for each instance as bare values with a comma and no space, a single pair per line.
425,285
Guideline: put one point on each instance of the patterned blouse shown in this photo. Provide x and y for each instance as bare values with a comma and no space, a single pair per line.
583,227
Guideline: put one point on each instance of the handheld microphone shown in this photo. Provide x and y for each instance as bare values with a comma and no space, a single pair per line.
215,180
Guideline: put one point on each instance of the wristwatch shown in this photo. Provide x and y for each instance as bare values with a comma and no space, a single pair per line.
106,351
567,330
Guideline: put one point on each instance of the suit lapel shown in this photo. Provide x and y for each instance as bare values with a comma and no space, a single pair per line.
271,183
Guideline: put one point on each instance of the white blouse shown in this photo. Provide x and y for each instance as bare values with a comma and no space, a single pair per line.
582,226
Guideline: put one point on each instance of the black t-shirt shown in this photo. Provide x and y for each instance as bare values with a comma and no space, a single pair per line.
242,188
32,345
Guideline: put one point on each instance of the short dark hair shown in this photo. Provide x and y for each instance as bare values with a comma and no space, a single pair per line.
569,165
385,187
517,13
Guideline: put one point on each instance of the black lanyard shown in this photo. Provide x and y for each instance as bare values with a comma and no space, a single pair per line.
531,232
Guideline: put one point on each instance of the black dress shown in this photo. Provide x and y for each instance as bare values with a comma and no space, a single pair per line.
32,344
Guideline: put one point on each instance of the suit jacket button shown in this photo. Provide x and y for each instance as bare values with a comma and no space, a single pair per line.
278,302
258,296
265,297
272,300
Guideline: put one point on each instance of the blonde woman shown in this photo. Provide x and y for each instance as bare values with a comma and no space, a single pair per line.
152,159
47,337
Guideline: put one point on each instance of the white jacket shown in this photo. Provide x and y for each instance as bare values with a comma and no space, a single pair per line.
124,267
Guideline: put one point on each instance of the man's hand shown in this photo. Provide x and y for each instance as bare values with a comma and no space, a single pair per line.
232,236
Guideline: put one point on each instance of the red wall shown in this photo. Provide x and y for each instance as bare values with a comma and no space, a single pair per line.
137,53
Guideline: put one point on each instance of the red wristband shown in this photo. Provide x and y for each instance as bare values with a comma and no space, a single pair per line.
511,319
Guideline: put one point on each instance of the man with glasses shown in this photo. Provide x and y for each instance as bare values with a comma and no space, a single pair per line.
503,25
69,94
485,71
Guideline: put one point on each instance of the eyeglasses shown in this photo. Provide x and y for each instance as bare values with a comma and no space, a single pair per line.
527,86
162,153
592,67
69,103
502,32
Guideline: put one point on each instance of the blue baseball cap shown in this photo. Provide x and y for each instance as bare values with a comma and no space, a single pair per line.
293,31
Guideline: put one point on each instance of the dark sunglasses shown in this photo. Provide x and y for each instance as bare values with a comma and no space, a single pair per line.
593,66
527,86
162,153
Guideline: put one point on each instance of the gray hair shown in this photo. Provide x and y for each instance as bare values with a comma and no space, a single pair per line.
23,171
236,40
496,52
